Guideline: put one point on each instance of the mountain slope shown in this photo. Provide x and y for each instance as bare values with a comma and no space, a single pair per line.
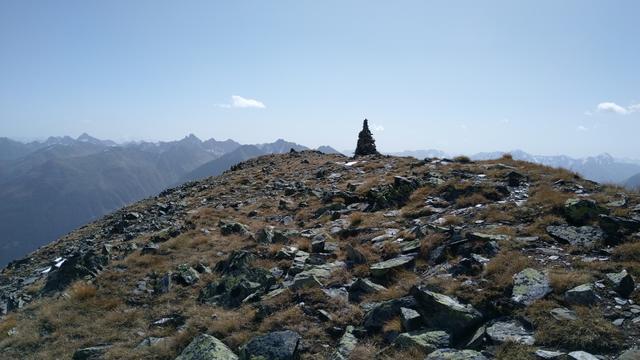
633,182
223,163
316,256
50,188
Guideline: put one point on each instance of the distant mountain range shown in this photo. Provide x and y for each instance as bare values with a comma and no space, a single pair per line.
51,187
601,168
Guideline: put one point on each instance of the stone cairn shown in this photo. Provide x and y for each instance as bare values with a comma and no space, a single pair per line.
366,143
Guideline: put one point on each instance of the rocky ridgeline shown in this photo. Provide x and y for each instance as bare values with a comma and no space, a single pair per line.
315,256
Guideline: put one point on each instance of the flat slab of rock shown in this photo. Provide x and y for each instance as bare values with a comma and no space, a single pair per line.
440,311
454,354
426,341
530,285
207,347
582,355
510,331
382,268
584,236
278,345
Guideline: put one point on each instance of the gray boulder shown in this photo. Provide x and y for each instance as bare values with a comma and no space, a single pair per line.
382,268
232,227
530,285
631,354
511,330
581,295
363,286
207,347
346,345
379,313
621,282
579,211
411,319
584,236
279,345
425,340
186,275
440,311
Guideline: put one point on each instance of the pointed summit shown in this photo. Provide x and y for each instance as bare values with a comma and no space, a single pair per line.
366,143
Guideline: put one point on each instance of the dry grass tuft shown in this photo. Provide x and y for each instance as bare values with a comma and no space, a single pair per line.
392,325
364,351
590,332
562,280
511,351
500,269
471,200
81,291
627,251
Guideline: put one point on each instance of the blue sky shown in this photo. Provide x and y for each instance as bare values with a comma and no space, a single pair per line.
547,77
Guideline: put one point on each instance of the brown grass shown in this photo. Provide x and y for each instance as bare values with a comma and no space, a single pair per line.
500,269
512,351
392,325
590,332
429,243
627,251
451,220
365,351
81,291
356,219
546,197
471,200
562,280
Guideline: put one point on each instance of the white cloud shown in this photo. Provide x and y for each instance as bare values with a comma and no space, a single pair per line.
582,128
377,128
241,102
588,113
617,109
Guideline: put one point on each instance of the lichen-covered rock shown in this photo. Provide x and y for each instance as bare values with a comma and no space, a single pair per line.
440,311
510,330
278,345
347,343
207,347
186,275
425,340
583,236
233,227
529,285
455,354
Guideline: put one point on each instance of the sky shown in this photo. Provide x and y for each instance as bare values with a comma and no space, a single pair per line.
547,77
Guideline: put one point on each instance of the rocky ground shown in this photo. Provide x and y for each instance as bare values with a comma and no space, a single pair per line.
315,256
